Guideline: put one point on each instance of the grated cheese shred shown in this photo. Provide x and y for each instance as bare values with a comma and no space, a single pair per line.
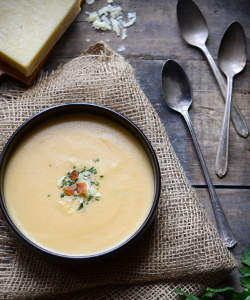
110,17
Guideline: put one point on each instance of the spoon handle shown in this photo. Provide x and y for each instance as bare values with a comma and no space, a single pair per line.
223,227
221,164
236,115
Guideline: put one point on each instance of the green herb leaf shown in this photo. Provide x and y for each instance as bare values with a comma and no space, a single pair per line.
50,165
96,183
245,282
95,172
62,195
89,198
101,176
48,196
231,295
97,198
91,170
95,160
74,167
227,293
246,257
188,296
245,271
207,295
80,206
219,290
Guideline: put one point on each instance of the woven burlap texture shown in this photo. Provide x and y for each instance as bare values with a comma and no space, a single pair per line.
181,249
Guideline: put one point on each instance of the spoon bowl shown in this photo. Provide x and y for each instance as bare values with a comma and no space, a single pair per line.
176,86
178,94
232,55
192,23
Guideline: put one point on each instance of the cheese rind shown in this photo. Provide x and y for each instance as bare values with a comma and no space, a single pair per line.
30,28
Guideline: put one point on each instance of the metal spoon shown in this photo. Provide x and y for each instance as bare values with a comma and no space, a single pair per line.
194,30
178,95
232,59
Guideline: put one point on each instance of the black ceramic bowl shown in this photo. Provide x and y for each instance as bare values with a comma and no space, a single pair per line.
69,109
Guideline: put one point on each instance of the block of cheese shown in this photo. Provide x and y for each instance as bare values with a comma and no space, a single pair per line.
30,28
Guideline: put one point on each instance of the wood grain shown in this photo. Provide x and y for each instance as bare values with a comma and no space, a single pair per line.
235,203
154,38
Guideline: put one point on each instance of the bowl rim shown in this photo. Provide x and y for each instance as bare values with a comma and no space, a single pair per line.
154,162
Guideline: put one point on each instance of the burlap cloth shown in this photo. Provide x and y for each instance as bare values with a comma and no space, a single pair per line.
181,249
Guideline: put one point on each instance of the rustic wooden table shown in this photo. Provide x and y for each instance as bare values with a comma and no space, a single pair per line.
154,38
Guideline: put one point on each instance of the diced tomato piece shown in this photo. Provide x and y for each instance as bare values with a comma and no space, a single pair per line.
74,175
69,190
81,187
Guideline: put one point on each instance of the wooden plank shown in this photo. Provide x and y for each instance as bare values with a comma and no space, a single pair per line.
156,34
206,114
236,206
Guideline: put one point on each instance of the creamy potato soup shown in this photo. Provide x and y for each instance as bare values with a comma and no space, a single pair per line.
79,185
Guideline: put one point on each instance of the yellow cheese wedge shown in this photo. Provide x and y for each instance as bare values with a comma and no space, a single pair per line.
30,28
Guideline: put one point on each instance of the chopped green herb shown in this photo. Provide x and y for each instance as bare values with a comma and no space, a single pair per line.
89,198
88,178
91,170
80,206
95,160
50,165
48,196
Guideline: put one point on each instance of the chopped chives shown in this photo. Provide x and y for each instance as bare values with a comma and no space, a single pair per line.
80,206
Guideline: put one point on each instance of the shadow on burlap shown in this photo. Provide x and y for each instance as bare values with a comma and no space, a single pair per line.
181,249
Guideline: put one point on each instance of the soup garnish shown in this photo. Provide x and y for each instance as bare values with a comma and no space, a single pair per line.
80,185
